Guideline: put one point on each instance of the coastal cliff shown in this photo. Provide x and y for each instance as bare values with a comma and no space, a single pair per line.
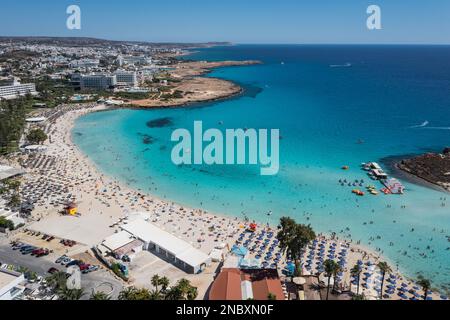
432,167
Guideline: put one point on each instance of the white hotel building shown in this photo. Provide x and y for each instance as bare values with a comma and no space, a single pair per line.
16,89
94,81
128,78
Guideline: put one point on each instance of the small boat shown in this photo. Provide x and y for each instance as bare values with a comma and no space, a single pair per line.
345,167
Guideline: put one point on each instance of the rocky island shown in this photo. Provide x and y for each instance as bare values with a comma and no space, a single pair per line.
432,167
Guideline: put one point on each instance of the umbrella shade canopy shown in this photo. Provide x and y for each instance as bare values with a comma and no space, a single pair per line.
299,281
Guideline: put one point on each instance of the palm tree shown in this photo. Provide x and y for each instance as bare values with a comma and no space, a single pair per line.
133,293
100,296
384,268
155,281
330,267
164,282
58,280
294,238
70,294
426,285
337,268
182,291
156,295
356,273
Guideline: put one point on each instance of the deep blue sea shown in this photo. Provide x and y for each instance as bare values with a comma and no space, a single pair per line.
334,106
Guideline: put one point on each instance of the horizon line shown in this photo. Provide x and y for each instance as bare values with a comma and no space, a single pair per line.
236,43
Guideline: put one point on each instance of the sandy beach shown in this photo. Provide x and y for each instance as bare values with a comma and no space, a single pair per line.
104,203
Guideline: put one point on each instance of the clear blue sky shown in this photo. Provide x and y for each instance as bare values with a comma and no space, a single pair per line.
239,21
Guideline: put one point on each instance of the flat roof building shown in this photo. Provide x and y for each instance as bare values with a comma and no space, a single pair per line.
121,244
93,81
128,78
7,172
16,90
178,251
10,286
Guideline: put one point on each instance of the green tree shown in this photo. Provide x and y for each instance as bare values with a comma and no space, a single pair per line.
356,273
14,201
426,285
36,136
133,293
155,281
7,224
12,184
294,238
12,122
182,291
384,268
57,281
331,268
160,284
271,297
70,294
359,297
100,296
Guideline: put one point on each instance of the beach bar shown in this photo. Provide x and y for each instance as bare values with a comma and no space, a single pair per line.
179,252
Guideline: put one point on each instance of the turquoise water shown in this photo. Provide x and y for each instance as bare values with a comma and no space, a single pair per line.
322,112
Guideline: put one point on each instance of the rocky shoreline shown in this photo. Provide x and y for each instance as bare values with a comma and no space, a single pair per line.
194,87
433,168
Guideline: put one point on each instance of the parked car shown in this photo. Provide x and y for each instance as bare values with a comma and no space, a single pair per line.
28,251
73,263
66,261
50,239
84,267
37,251
25,247
52,270
91,269
18,246
60,259
42,253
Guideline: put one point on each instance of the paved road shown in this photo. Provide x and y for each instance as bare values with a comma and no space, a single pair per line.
41,266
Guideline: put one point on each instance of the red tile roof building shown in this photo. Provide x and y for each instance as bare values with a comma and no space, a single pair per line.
236,284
